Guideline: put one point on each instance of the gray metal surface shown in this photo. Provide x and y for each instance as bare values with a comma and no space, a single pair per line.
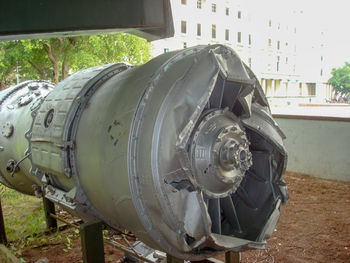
16,106
151,19
182,151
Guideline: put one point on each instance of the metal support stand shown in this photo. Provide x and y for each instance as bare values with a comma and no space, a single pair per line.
49,208
3,239
232,257
92,242
171,259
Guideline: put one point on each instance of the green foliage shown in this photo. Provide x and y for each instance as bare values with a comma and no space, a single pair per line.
54,59
23,215
340,79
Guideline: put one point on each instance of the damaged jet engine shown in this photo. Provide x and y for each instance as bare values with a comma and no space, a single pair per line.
182,151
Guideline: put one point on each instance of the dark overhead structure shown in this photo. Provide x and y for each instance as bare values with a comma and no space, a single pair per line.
23,19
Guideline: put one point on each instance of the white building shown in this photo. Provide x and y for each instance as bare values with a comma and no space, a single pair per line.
267,41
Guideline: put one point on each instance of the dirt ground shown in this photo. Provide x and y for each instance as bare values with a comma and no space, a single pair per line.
314,227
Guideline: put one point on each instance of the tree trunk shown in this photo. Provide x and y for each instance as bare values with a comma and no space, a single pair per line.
54,59
56,72
39,69
2,85
64,69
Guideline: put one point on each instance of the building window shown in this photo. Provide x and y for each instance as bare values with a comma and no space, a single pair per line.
185,44
269,42
311,89
270,23
166,50
279,26
183,27
278,64
227,11
295,30
249,39
227,35
286,44
286,60
213,31
213,8
199,30
184,2
278,45
199,4
239,37
321,72
321,58
239,14
250,62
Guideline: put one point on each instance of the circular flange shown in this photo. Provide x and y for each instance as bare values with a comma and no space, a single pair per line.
219,153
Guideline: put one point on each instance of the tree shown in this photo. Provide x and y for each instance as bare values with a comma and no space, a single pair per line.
340,79
53,59
7,71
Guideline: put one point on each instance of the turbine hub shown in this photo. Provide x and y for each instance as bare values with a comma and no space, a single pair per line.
220,154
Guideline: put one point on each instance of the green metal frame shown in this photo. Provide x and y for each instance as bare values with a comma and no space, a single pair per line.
92,242
3,238
21,19
49,208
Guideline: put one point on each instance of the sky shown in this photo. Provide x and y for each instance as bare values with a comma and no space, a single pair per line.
330,16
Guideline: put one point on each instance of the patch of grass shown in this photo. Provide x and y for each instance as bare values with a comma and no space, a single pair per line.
23,215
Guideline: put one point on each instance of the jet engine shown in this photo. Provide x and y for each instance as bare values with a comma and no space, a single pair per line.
182,151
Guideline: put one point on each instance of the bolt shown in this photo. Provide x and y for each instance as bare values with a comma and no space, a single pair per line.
37,190
51,189
68,199
243,155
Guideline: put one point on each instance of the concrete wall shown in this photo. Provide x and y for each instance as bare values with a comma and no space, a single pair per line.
318,146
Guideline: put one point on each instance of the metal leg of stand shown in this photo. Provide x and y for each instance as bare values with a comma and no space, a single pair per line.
171,259
92,242
232,257
3,239
49,208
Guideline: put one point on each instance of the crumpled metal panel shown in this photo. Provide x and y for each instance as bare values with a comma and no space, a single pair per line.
168,114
